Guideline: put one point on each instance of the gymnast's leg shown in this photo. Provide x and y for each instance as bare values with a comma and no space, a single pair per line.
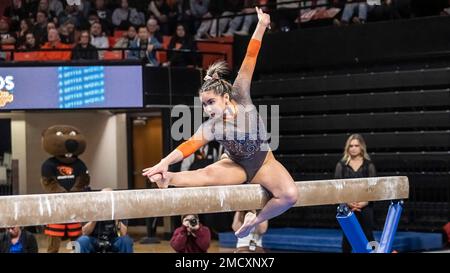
222,172
277,180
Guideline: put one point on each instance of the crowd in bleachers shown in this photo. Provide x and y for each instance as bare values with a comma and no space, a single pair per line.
144,26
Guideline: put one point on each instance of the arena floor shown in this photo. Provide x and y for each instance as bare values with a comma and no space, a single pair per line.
137,233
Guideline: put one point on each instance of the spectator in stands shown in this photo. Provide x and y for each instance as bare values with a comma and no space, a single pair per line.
50,25
227,8
85,7
55,7
175,13
125,16
222,8
7,37
183,46
128,37
153,29
76,15
17,11
67,33
30,42
105,236
54,43
184,14
199,10
216,27
104,14
98,38
165,14
253,242
352,8
17,240
93,18
356,163
241,24
40,28
84,50
323,10
25,27
144,48
192,236
43,6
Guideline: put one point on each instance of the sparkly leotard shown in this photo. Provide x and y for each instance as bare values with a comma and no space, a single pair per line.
247,147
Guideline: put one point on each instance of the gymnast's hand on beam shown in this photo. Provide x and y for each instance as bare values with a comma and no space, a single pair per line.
162,182
158,174
160,168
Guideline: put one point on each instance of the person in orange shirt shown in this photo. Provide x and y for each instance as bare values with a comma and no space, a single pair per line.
55,43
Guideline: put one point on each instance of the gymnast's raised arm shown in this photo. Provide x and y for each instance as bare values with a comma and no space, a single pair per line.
243,80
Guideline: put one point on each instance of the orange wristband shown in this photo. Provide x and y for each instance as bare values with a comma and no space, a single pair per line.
189,147
253,48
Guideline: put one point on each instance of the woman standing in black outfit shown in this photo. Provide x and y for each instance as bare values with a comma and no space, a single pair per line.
356,164
183,47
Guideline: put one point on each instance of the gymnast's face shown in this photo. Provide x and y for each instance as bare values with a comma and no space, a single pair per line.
354,149
214,105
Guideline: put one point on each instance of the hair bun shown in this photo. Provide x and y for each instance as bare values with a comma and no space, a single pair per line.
217,71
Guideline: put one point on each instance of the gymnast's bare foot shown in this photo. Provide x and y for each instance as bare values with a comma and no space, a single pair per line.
162,182
247,226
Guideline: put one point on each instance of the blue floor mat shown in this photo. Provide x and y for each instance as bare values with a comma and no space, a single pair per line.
329,240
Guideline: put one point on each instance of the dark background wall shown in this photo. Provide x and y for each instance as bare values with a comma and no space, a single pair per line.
336,46
5,135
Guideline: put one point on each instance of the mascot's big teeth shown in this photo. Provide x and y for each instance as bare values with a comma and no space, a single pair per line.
68,155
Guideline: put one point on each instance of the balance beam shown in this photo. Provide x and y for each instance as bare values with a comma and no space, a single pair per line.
40,209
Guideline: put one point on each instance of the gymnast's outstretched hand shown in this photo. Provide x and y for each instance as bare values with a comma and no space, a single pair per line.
158,174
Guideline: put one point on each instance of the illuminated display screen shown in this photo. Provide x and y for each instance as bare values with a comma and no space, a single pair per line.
71,87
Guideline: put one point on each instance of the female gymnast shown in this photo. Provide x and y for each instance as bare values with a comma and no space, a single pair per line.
232,119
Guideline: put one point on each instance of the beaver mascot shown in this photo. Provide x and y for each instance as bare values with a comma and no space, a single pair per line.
63,172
